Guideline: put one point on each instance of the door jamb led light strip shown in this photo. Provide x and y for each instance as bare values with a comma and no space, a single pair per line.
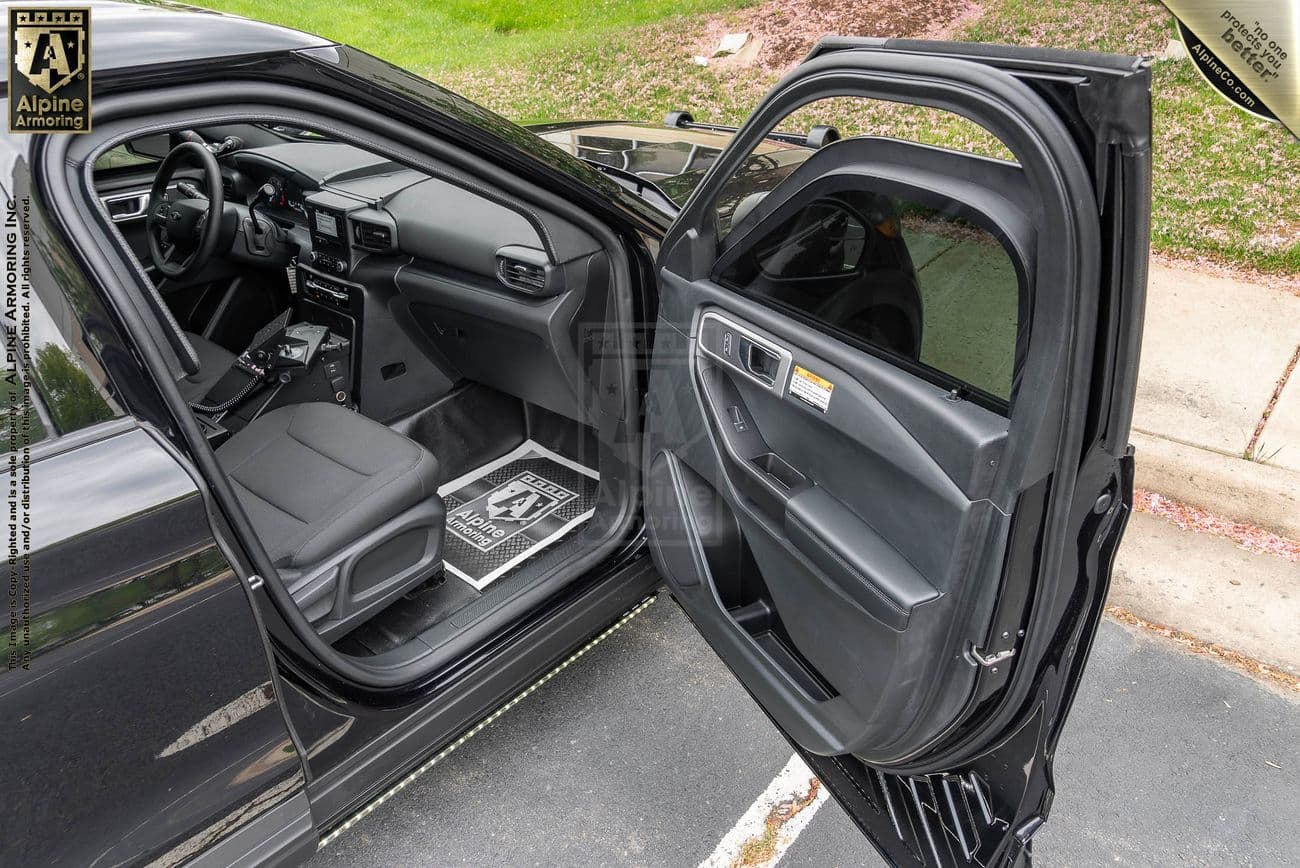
481,725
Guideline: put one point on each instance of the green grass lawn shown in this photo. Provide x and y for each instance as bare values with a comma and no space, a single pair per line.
433,37
1224,187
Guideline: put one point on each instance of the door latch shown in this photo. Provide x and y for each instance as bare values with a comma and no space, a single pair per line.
989,658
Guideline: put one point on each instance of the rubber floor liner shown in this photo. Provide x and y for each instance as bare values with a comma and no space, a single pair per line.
508,510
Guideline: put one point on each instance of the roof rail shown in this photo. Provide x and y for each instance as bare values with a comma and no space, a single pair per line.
819,136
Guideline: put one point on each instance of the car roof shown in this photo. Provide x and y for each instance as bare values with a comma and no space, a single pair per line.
135,34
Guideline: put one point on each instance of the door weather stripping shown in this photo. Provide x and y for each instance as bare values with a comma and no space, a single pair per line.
481,725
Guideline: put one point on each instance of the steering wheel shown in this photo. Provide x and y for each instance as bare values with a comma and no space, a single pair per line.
182,231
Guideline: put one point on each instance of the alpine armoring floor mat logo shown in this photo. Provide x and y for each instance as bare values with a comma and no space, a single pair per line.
508,510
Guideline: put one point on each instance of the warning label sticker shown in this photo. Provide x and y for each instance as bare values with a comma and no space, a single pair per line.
810,388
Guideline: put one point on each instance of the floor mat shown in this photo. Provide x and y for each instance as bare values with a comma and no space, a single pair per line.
508,510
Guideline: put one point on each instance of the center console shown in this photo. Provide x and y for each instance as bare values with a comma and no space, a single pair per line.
328,222
344,228
325,295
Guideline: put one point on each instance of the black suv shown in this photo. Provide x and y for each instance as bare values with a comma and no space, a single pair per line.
342,411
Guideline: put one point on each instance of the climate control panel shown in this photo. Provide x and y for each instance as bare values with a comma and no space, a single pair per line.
329,262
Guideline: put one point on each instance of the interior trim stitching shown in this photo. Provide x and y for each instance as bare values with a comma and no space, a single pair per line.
230,471
330,458
269,503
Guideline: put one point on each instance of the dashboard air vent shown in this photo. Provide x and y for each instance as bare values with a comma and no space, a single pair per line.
527,269
372,235
523,276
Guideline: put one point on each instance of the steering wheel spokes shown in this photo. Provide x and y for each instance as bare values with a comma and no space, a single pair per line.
173,256
181,230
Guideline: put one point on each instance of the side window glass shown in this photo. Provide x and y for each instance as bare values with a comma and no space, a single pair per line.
923,281
47,308
121,157
70,394
22,425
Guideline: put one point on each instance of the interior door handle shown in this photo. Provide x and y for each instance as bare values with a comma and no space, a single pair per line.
758,358
762,363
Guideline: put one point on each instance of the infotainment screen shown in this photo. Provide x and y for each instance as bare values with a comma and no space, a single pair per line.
326,224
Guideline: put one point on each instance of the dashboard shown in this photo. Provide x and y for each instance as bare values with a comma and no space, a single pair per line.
369,204
288,199
432,280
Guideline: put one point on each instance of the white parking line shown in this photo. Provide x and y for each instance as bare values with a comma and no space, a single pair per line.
774,821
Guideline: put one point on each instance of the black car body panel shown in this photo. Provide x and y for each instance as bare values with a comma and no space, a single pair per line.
123,30
149,681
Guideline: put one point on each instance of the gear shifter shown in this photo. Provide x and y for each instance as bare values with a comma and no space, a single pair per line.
264,194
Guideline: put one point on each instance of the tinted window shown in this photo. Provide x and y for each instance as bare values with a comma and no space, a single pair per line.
22,424
919,281
49,308
121,157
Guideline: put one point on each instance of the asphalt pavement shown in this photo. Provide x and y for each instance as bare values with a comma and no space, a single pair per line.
647,751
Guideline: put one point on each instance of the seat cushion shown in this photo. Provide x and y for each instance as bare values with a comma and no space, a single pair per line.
214,361
315,477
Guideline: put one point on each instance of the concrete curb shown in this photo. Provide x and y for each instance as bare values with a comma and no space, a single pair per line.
1245,491
1208,588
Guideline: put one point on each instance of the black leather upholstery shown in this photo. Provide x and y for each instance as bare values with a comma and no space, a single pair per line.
213,362
315,477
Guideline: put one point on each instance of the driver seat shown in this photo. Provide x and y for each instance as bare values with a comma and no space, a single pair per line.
214,361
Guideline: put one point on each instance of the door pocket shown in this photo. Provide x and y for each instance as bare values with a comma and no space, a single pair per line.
709,548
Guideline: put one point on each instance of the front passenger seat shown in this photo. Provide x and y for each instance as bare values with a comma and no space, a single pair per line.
347,508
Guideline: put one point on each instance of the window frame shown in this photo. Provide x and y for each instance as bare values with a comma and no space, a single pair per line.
750,232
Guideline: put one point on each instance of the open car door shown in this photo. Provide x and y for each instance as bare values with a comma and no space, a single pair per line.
887,461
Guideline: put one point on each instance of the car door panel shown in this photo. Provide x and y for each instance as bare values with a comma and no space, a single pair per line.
903,571
860,528
147,705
